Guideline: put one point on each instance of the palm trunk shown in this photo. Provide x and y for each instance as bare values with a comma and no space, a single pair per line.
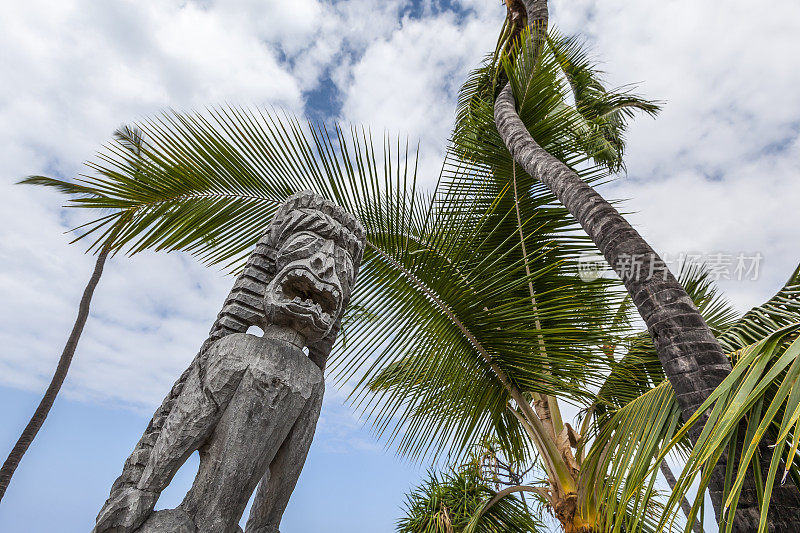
691,356
692,359
39,416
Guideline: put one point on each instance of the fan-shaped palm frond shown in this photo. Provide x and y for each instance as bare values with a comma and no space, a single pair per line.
442,284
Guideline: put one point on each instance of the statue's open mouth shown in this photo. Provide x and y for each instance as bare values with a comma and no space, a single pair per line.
303,293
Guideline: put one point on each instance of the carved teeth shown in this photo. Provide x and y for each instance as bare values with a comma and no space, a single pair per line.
325,296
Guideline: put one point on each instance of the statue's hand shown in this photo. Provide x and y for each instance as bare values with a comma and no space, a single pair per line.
125,511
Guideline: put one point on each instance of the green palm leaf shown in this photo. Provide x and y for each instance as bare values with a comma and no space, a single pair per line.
442,283
633,439
780,311
762,389
605,112
445,503
617,475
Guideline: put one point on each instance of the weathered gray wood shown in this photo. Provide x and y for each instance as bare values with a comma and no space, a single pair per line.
279,482
173,520
249,404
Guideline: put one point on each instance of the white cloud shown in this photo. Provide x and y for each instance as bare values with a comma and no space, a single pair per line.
148,317
73,72
717,171
406,83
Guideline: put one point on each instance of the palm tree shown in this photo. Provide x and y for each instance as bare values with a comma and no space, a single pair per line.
637,417
443,280
449,503
40,415
633,422
693,360
446,280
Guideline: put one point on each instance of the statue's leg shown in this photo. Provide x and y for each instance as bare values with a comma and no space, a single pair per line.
190,422
245,441
278,483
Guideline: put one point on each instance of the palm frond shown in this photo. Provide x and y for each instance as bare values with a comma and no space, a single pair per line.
605,112
762,389
617,477
781,310
442,283
573,316
446,503
64,187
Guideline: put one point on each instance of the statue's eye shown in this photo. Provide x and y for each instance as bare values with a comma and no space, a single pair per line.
298,242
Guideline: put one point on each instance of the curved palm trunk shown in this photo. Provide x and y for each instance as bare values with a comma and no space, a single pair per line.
39,416
691,356
692,359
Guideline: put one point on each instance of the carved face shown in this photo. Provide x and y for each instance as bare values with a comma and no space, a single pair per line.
314,278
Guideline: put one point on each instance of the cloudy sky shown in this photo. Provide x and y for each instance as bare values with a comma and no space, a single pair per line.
716,173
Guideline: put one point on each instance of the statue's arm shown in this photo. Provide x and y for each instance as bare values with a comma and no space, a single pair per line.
135,463
149,468
205,389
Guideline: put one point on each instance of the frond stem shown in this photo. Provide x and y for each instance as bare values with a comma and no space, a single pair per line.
549,404
532,424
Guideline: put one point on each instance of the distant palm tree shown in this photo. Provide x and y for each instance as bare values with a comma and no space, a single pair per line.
40,415
450,502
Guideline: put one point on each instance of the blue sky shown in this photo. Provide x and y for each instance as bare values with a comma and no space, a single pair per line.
716,172
69,471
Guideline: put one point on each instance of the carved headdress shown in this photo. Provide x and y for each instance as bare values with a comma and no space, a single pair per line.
303,211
